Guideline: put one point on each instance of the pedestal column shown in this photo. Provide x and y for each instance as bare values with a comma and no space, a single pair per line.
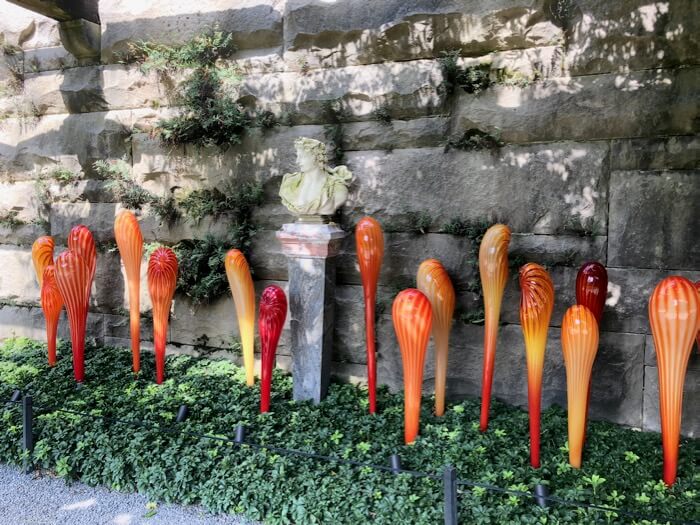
311,249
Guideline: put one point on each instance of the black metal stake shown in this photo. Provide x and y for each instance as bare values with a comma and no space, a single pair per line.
16,396
240,433
181,414
27,432
449,482
395,463
541,492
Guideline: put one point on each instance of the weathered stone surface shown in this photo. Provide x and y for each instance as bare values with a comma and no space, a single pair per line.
75,141
27,321
690,424
676,153
640,104
26,29
654,219
626,36
550,188
353,32
48,59
629,290
18,281
21,198
98,216
254,23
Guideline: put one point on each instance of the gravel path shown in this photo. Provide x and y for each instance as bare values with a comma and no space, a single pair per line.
33,500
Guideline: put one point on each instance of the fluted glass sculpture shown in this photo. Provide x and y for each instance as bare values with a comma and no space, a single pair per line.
51,304
80,241
673,315
412,316
273,312
697,287
433,281
579,342
241,283
162,278
130,243
42,256
73,280
369,240
592,288
536,304
493,268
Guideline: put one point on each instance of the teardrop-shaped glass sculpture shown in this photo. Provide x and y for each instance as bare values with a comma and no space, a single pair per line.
697,287
592,288
73,280
273,312
412,316
673,315
579,343
369,241
130,243
42,256
536,305
162,279
51,304
80,241
493,268
435,283
241,284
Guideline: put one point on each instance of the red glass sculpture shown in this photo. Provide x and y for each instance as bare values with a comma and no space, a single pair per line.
369,240
493,268
673,315
162,278
592,288
73,280
579,342
42,256
51,304
433,281
241,284
130,242
412,316
536,304
81,242
273,312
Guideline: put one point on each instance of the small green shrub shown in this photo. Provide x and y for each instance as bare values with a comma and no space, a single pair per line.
472,79
64,176
201,275
472,230
474,139
9,219
334,115
382,114
236,200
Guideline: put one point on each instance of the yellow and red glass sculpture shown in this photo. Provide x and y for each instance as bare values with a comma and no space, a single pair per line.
493,268
241,283
697,287
273,312
73,280
673,315
369,240
42,256
51,304
536,304
579,342
433,281
412,316
162,278
130,243
81,242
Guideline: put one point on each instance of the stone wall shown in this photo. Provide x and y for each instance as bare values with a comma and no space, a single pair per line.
600,162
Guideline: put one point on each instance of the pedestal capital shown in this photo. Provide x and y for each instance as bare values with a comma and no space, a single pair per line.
310,240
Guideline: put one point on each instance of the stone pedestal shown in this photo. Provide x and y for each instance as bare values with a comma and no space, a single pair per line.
311,249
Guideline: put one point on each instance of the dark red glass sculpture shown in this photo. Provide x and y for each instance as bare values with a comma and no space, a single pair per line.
273,312
51,304
162,278
592,288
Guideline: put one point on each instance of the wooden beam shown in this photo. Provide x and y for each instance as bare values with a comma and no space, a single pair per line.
63,10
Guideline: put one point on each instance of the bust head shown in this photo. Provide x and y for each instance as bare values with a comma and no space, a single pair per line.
311,154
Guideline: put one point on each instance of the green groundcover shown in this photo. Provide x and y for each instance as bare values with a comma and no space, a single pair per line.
170,462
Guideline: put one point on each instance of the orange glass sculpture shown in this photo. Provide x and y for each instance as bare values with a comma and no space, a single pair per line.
273,312
241,284
73,280
433,281
162,278
412,316
369,241
81,242
42,256
51,304
697,287
536,304
579,342
673,315
130,242
493,268
592,288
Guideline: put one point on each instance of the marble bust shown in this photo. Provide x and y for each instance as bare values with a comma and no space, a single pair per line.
316,189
